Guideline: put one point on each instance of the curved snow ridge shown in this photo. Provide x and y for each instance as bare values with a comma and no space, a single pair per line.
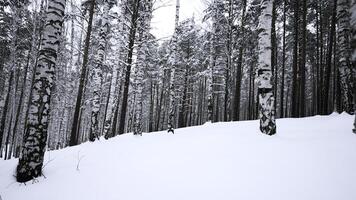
309,158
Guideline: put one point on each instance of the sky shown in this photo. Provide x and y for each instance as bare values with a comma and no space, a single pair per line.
163,17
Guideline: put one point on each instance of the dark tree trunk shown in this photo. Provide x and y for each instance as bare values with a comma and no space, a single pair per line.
281,103
74,135
321,63
116,114
6,107
132,36
274,52
302,60
326,95
295,81
237,97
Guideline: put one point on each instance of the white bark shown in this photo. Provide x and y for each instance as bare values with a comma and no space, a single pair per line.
172,95
144,27
97,75
31,160
264,81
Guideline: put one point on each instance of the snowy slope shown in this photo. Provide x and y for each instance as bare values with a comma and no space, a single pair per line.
310,158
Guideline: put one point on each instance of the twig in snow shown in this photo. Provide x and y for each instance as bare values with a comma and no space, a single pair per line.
79,159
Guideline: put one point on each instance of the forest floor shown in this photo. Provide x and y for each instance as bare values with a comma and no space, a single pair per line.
310,158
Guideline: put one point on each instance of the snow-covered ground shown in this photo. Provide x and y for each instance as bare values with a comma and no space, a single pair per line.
310,158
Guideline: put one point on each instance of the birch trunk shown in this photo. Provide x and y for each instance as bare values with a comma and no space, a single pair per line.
265,87
171,115
97,75
31,159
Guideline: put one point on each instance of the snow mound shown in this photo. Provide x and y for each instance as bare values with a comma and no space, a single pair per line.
309,158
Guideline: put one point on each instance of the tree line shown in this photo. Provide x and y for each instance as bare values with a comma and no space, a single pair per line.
73,71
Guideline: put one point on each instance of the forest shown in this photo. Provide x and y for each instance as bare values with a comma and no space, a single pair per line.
73,71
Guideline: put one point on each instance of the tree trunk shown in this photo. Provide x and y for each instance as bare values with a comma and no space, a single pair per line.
281,103
172,93
6,107
132,37
31,159
97,76
295,81
346,68
274,52
74,135
302,60
353,58
265,82
326,95
237,96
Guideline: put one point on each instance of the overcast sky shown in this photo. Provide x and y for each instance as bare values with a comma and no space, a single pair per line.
163,17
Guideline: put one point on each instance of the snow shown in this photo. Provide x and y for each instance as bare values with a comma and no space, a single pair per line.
309,158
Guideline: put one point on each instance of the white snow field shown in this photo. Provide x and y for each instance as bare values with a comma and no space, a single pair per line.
310,158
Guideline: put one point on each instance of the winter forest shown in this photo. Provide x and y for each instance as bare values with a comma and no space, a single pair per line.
73,71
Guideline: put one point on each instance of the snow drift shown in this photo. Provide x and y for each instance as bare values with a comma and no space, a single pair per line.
309,158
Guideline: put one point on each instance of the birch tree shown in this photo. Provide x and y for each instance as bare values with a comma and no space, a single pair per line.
31,159
144,27
97,75
264,71
172,113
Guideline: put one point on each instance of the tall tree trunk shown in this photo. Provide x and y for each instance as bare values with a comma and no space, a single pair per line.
326,95
20,103
97,76
237,97
346,68
281,101
353,58
172,93
132,37
209,80
317,70
302,60
265,82
321,62
74,135
145,20
274,51
228,69
295,81
31,159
